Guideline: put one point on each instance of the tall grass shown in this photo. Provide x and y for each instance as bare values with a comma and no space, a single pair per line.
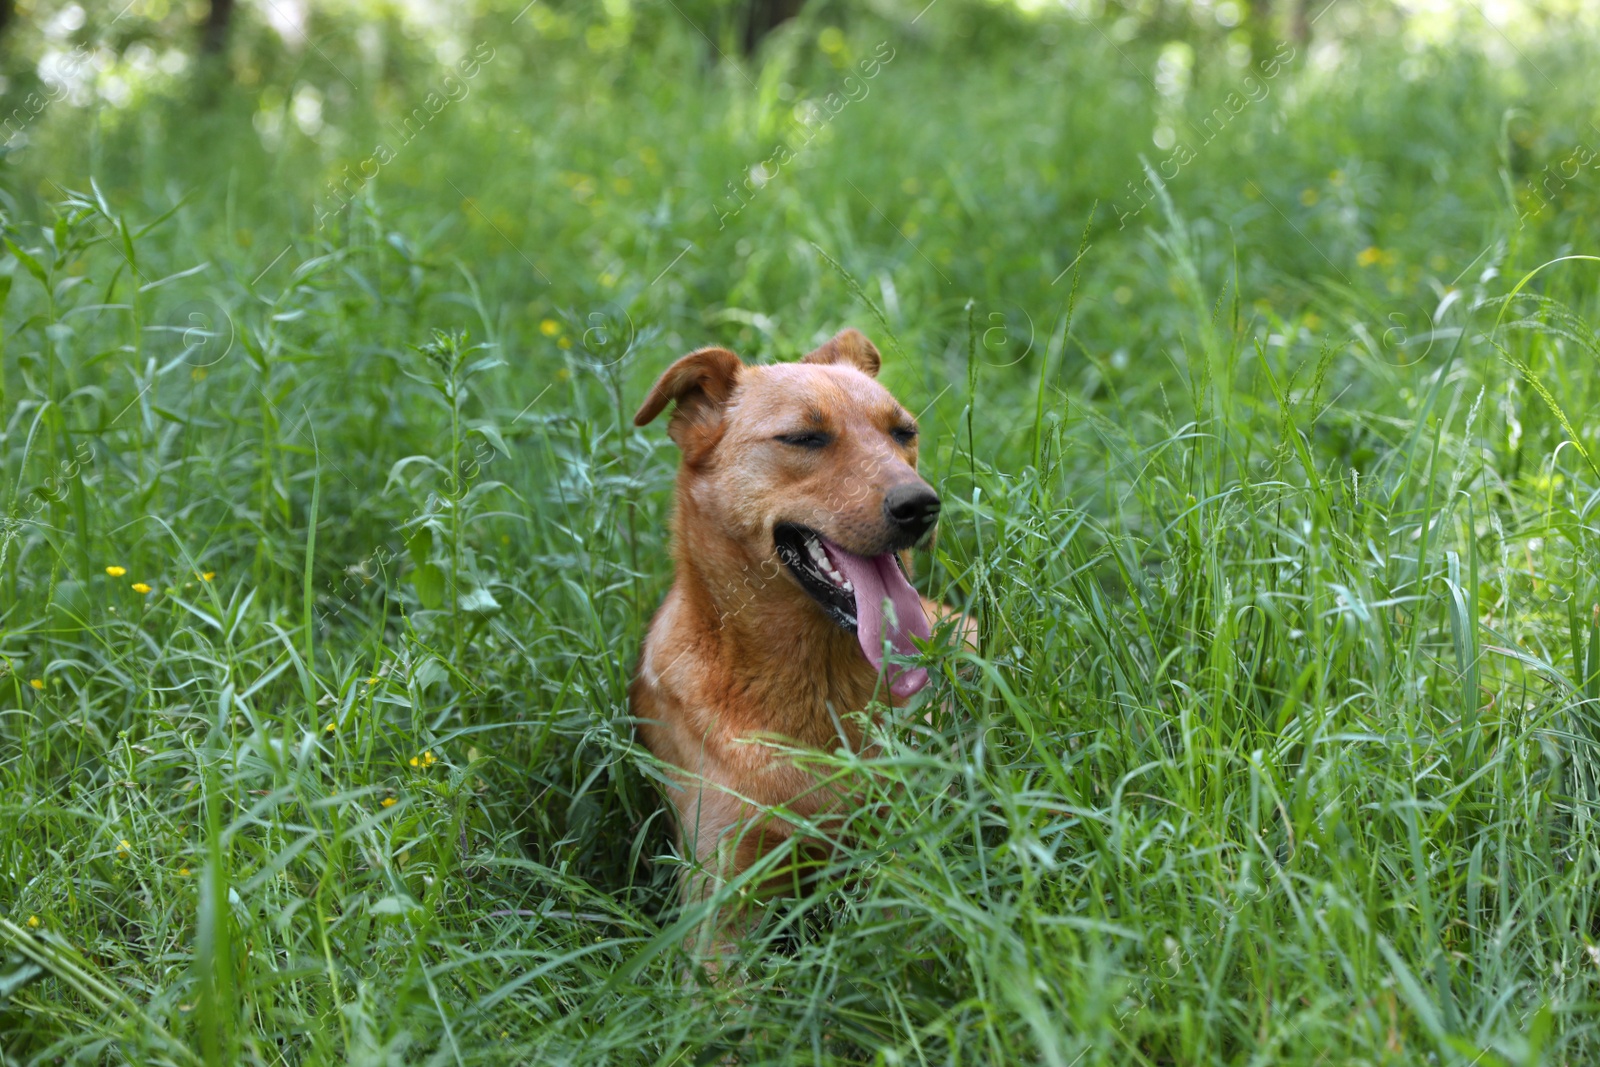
1276,508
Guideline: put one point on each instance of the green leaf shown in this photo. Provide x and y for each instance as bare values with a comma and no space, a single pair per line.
420,545
127,245
159,282
479,603
18,973
28,261
429,672
491,433
429,580
480,365
394,906
1591,671
99,198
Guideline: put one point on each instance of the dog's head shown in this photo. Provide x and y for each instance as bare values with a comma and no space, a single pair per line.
814,465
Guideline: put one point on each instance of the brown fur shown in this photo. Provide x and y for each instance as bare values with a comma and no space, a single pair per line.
738,651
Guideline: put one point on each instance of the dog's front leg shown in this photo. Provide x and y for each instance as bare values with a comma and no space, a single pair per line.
726,836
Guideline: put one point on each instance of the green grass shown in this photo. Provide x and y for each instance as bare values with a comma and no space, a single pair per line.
1277,507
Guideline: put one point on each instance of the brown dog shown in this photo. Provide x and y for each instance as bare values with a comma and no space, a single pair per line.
798,489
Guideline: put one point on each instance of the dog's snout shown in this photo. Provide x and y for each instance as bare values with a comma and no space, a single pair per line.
912,508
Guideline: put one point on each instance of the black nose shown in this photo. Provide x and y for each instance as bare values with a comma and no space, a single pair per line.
911,508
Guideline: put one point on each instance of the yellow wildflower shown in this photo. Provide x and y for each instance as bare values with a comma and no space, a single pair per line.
563,342
123,848
206,576
140,587
33,922
183,872
1369,255
388,802
330,728
372,681
116,572
37,683
549,327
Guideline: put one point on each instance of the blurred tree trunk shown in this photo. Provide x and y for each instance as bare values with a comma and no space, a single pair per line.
761,17
1299,26
8,8
1269,24
214,34
1258,22
1264,29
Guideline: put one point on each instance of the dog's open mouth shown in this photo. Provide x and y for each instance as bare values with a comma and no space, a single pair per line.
802,551
867,595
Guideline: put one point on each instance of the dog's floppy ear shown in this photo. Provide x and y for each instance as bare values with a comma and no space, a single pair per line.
848,346
700,383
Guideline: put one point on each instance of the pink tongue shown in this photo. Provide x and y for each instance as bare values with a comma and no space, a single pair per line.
876,580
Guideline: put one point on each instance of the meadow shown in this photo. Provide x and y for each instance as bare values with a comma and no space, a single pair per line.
1256,377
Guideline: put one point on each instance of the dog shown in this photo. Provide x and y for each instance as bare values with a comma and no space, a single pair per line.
797,501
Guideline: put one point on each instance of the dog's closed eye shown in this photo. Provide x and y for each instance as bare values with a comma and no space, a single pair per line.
904,435
812,439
